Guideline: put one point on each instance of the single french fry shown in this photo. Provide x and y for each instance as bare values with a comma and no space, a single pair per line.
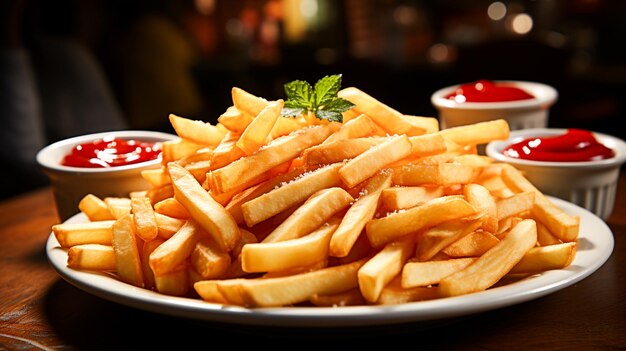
208,260
172,208
275,153
119,211
431,272
285,126
386,117
176,149
477,133
247,102
560,223
292,193
282,291
404,197
394,294
117,201
297,270
472,245
358,215
494,264
199,169
359,127
315,211
234,120
541,259
383,267
545,237
339,150
71,234
288,254
256,133
208,291
350,297
95,208
435,239
174,282
516,204
433,174
157,194
146,250
94,257
427,144
480,197
127,258
157,177
198,132
167,225
204,209
383,230
176,249
204,154
429,124
373,160
144,219
234,269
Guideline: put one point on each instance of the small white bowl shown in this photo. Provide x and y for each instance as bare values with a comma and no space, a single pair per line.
520,114
589,184
71,184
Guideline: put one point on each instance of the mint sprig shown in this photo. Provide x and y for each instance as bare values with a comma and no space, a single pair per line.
321,100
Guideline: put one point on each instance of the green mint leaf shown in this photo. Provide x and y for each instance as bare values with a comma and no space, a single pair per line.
296,104
300,92
333,116
326,89
338,104
292,111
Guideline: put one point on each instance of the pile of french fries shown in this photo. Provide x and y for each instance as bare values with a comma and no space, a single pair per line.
261,210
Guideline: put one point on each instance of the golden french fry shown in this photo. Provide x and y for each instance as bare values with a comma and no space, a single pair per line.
174,282
95,257
339,150
286,125
208,260
127,258
172,208
146,250
157,177
561,224
350,297
198,132
472,245
290,194
234,120
427,144
275,153
516,204
383,267
477,133
404,197
167,225
431,272
204,154
176,249
199,169
373,160
494,264
95,208
176,149
435,239
545,237
257,132
480,197
288,254
541,259
359,127
393,226
157,194
208,291
386,117
315,211
428,124
204,209
358,215
144,219
433,174
246,102
71,234
394,293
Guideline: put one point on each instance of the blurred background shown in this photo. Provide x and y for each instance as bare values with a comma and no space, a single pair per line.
71,67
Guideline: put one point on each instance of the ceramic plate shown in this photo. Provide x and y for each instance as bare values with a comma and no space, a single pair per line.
594,248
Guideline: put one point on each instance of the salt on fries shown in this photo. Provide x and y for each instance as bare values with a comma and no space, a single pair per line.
263,210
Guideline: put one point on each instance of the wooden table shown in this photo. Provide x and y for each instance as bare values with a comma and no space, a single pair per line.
38,309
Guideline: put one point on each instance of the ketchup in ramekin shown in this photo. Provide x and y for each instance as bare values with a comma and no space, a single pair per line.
576,145
488,91
111,152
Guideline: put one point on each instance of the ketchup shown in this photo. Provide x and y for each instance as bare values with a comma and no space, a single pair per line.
111,152
576,145
487,91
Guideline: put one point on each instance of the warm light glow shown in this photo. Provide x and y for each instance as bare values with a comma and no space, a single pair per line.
496,11
439,52
459,99
309,8
522,23
205,7
405,15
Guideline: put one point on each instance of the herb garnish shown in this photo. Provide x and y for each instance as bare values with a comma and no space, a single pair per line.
321,100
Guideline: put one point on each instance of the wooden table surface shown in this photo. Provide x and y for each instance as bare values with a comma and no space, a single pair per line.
39,310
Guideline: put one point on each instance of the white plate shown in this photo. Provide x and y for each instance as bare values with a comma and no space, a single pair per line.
594,248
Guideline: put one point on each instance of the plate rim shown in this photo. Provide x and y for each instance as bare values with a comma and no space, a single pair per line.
109,288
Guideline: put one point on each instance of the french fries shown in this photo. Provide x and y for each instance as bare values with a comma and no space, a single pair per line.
383,208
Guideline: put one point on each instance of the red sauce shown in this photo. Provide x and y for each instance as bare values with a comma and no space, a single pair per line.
487,91
576,145
111,152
